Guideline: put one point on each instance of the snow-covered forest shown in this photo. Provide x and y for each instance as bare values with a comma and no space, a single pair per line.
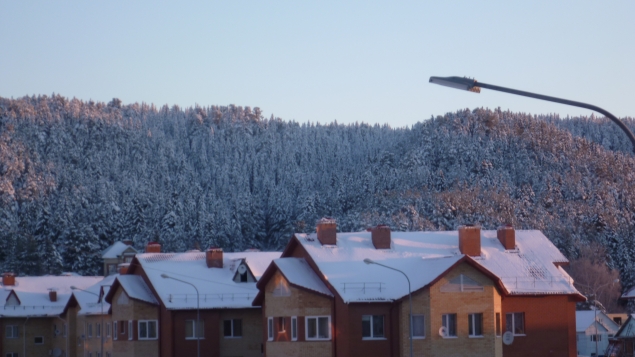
76,176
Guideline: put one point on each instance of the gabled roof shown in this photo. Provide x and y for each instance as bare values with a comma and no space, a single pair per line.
627,330
115,250
134,286
216,286
585,319
89,299
531,269
33,294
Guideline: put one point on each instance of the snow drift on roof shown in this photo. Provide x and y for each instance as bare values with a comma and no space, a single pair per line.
216,286
530,269
136,288
298,272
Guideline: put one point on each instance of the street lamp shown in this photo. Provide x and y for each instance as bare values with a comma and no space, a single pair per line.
474,86
101,327
198,311
595,308
368,261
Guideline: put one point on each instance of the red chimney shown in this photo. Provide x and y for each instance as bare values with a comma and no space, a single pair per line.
381,236
123,268
153,247
214,257
507,236
8,279
53,295
470,240
327,231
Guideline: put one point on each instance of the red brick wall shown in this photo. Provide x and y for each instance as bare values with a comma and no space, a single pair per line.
549,326
209,344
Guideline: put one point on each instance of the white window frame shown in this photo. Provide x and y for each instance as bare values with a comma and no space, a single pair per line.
423,318
294,328
445,321
15,331
130,330
195,330
108,330
513,314
90,330
472,323
40,343
317,328
98,329
270,329
372,331
147,323
115,330
232,328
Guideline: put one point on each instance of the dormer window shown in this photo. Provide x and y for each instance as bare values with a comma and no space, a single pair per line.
12,299
461,283
243,275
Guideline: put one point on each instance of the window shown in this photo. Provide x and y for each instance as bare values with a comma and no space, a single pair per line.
233,328
108,329
147,330
449,323
294,328
98,330
90,330
112,269
55,331
475,327
38,340
418,326
318,328
282,288
515,322
498,324
130,329
372,326
618,320
270,329
190,326
461,283
114,330
595,338
12,331
281,327
12,354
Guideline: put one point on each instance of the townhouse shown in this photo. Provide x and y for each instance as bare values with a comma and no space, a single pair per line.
593,331
469,289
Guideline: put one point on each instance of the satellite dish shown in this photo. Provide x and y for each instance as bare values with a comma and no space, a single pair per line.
508,338
57,352
443,332
242,269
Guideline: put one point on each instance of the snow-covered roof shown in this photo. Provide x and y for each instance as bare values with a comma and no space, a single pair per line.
216,286
116,250
529,269
89,299
585,319
136,288
627,330
33,294
298,272
630,294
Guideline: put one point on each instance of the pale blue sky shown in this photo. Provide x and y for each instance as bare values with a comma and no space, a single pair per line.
365,61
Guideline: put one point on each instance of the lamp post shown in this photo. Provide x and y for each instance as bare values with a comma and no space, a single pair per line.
595,308
101,327
473,86
368,261
198,311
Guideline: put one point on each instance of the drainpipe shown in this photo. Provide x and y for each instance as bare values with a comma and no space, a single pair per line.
24,332
65,329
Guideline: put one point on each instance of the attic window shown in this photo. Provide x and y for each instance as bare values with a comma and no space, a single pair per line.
282,288
243,275
123,299
461,283
12,300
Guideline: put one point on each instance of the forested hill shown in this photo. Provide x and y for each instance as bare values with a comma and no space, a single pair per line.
76,176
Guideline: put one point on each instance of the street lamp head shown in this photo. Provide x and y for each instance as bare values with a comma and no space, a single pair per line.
165,276
368,261
616,281
73,287
462,83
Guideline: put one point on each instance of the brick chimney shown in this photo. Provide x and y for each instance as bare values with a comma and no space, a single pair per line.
214,257
123,268
153,247
507,236
470,240
53,295
8,279
381,236
327,231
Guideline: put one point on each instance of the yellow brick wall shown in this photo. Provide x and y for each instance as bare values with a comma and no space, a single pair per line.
134,310
93,344
249,344
299,303
33,327
433,303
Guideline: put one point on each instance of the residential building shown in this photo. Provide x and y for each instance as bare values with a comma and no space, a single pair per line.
118,253
468,288
623,343
593,331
